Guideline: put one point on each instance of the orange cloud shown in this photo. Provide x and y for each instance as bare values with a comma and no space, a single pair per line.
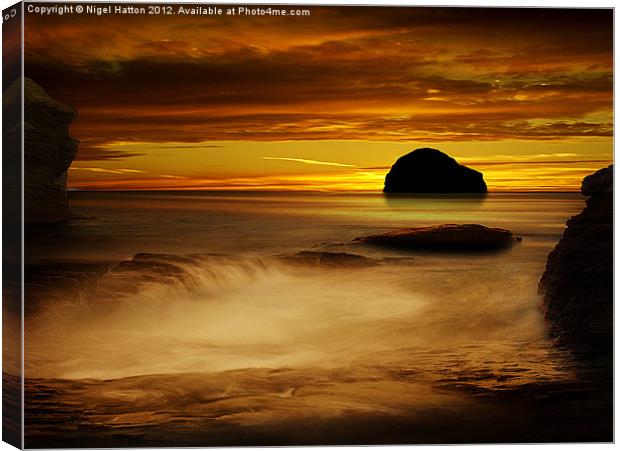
354,73
424,75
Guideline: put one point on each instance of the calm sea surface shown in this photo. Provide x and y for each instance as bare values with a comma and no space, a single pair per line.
125,223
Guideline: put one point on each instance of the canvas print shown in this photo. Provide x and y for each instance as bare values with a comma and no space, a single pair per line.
307,224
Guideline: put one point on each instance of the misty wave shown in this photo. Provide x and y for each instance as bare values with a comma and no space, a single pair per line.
206,307
192,277
159,313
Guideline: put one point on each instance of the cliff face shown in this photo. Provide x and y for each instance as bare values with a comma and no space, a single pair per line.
431,171
48,153
577,285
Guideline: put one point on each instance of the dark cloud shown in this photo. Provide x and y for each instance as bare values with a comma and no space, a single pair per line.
343,73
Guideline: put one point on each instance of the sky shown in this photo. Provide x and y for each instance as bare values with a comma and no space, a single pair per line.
330,100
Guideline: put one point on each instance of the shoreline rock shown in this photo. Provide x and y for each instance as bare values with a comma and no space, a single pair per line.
577,285
445,237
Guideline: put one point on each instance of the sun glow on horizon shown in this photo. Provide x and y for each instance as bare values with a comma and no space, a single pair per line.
335,166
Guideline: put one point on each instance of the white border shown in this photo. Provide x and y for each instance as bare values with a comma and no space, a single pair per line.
480,3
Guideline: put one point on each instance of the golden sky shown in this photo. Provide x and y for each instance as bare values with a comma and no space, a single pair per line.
329,101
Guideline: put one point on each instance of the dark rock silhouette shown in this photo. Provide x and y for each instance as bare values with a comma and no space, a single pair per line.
445,237
577,285
602,181
48,152
431,171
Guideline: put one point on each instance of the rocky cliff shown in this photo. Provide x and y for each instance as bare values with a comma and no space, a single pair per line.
431,171
48,152
577,285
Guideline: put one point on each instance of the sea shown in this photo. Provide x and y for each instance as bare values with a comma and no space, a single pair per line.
186,319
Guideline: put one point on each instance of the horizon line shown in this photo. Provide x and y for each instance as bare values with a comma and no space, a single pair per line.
70,190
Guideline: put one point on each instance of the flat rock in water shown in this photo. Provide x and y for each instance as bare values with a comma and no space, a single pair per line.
445,237
330,259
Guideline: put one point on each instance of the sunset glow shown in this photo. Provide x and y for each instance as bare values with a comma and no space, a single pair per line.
329,101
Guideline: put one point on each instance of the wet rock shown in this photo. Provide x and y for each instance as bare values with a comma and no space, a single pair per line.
83,283
184,261
79,283
577,285
444,237
432,171
130,276
330,259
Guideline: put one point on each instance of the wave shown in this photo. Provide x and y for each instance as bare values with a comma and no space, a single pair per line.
162,313
197,276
